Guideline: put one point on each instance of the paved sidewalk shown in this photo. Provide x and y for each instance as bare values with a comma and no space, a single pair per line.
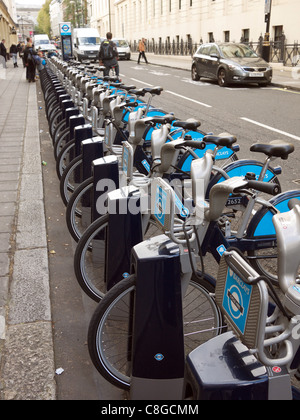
27,368
26,347
283,77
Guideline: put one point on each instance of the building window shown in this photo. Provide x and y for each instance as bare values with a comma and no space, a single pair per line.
226,36
179,4
278,31
245,35
211,37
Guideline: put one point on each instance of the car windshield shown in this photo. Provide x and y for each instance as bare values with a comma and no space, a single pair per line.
121,43
89,40
42,42
237,51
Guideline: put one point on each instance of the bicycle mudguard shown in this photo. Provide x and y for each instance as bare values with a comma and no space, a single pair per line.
240,168
261,224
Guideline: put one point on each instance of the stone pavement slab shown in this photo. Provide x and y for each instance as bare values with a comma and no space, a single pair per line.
26,343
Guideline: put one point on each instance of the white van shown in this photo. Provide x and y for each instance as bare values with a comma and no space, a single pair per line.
41,39
86,44
123,48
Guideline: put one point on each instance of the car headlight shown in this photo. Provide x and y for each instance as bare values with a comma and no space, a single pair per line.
234,67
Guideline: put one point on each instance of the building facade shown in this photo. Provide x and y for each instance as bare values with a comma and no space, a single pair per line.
27,19
56,16
102,15
167,21
8,22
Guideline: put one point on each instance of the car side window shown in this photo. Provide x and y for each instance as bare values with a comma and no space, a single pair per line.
205,50
213,50
199,51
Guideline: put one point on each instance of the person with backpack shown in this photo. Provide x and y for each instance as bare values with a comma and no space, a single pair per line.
108,55
30,63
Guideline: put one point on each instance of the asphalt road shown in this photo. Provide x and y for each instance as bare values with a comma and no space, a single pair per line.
219,110
250,113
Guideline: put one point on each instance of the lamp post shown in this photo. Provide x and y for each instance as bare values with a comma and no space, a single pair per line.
266,43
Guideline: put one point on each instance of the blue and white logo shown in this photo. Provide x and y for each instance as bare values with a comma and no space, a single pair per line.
236,299
65,28
160,205
159,357
221,249
146,165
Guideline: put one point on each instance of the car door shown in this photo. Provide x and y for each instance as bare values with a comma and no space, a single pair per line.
202,60
213,62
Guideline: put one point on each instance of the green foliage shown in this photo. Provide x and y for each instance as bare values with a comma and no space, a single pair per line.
43,20
75,11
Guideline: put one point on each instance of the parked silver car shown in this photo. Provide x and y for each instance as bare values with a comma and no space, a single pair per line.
230,63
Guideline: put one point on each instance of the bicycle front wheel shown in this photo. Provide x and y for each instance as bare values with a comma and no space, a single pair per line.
110,329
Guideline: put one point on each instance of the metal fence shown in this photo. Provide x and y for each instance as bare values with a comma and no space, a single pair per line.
280,51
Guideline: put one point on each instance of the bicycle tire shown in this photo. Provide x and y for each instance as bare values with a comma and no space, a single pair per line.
62,159
60,127
73,214
60,142
66,186
264,260
115,313
54,122
89,257
95,290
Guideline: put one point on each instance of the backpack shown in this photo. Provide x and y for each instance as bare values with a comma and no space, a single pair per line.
107,50
29,56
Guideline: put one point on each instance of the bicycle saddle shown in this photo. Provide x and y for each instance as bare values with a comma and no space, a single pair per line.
276,148
154,91
138,92
190,124
223,139
164,119
127,88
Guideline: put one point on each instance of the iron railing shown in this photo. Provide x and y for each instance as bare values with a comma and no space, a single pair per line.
280,51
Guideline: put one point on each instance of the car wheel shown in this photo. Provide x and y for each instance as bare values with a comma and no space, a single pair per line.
222,78
195,75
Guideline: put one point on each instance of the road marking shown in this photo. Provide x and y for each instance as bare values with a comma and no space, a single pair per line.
139,81
193,82
188,99
271,128
157,73
286,90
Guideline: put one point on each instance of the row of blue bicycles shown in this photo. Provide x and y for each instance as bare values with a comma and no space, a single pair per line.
153,203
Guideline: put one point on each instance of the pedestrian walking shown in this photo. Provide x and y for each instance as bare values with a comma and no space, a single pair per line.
13,51
30,65
3,54
108,55
21,53
142,49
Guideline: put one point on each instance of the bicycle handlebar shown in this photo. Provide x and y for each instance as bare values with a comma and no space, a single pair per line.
266,187
196,144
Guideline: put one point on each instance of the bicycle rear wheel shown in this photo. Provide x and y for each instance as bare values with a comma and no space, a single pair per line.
78,218
110,329
90,256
